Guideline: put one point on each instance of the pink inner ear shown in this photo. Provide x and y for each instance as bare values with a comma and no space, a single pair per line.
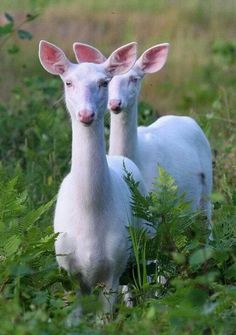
154,59
124,54
52,58
122,59
59,68
50,54
161,53
85,53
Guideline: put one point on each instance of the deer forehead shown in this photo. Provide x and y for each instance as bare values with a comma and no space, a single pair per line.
122,78
119,85
85,73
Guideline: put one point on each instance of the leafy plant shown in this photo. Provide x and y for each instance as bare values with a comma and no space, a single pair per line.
34,296
10,28
186,279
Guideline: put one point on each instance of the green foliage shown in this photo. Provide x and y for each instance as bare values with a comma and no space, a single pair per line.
10,28
24,35
35,298
198,293
146,114
36,135
225,50
27,264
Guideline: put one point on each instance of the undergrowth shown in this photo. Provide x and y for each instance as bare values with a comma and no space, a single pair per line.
185,271
181,281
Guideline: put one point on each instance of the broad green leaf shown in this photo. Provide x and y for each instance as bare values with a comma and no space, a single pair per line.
33,216
231,272
200,256
9,17
21,269
178,258
24,35
12,245
6,29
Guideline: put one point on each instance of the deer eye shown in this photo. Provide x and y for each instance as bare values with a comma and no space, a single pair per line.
133,79
69,83
103,82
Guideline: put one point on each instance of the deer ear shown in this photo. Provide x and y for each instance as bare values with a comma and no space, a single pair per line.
86,53
122,59
153,59
53,58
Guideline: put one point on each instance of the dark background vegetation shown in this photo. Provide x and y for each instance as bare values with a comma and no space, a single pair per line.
199,80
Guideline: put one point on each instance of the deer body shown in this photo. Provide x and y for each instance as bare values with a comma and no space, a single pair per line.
176,143
93,206
93,212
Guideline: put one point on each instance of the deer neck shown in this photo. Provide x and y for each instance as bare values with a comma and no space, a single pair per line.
89,167
123,133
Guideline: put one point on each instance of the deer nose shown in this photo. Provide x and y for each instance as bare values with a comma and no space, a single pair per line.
115,105
86,116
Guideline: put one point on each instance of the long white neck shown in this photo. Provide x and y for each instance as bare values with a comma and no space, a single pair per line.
123,133
89,167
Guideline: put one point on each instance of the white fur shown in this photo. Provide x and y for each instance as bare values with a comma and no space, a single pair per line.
176,143
93,205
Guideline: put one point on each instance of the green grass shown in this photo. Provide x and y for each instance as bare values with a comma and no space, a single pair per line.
35,144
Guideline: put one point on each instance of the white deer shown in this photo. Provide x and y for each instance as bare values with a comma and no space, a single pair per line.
93,204
176,143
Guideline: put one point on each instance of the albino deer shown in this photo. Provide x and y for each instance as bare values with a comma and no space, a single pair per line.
93,204
176,143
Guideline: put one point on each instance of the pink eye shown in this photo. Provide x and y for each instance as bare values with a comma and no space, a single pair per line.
69,83
103,83
133,79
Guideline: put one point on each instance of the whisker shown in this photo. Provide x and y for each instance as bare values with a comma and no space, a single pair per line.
57,102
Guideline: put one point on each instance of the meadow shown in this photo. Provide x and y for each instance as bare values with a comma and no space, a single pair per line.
198,80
